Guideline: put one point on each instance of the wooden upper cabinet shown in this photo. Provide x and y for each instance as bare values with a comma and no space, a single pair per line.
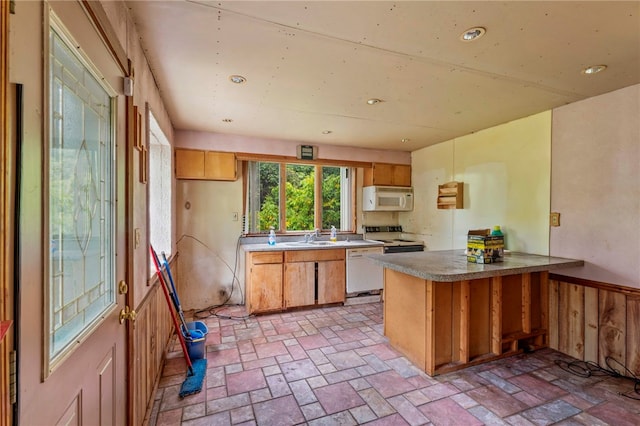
220,166
189,164
387,175
206,165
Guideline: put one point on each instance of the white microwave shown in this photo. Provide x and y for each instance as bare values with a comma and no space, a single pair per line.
387,198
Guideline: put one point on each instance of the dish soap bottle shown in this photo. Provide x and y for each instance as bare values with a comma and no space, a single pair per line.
272,237
334,235
497,232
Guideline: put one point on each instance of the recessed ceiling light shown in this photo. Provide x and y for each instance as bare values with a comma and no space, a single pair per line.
227,120
374,101
237,79
326,132
405,140
472,34
594,69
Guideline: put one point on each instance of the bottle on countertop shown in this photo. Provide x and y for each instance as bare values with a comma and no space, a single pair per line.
272,237
334,234
497,232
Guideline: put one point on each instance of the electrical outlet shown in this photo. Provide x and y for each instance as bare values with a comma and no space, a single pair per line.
554,219
234,216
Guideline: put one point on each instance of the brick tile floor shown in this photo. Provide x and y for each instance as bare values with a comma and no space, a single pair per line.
332,366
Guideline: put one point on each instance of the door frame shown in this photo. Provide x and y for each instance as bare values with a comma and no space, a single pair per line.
7,182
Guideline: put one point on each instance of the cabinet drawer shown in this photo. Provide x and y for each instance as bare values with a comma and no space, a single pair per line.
259,258
313,255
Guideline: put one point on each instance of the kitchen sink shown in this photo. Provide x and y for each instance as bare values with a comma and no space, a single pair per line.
307,243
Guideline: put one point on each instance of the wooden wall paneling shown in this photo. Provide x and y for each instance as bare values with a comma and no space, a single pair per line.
552,313
480,318
590,324
406,302
496,315
465,313
512,305
141,331
429,361
454,330
153,331
443,323
612,326
526,303
571,320
633,331
539,303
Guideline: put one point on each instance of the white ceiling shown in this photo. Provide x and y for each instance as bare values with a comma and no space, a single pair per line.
311,66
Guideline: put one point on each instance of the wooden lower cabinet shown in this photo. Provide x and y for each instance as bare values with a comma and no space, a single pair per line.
445,326
299,284
294,278
264,281
314,277
331,281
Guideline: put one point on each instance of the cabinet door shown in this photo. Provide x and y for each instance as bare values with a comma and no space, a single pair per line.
189,164
331,281
220,165
299,284
385,174
266,287
401,175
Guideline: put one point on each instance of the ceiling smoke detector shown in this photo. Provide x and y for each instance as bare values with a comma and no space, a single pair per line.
237,79
472,34
594,69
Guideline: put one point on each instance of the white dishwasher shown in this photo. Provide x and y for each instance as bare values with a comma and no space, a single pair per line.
362,273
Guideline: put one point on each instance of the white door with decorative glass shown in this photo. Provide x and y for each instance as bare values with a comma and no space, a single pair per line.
84,345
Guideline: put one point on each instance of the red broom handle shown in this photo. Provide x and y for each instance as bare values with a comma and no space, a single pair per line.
173,315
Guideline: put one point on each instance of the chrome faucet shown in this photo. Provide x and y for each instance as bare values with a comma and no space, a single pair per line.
311,236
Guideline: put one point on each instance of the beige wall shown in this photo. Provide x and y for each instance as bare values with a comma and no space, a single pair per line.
207,240
234,143
505,170
596,186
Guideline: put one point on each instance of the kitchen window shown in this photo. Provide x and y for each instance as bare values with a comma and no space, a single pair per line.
294,197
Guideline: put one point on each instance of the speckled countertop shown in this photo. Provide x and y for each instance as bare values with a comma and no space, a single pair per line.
452,265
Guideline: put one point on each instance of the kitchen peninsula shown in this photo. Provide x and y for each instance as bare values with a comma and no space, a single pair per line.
444,313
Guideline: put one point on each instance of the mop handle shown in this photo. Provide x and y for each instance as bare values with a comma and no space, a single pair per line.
173,315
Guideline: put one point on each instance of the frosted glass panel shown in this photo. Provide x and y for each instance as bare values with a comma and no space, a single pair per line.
81,199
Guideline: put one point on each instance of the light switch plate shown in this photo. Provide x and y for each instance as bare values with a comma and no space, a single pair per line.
136,238
554,219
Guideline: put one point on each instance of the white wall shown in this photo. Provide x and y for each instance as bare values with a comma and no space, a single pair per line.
505,170
596,186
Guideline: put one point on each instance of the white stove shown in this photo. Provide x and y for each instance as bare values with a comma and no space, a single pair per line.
392,238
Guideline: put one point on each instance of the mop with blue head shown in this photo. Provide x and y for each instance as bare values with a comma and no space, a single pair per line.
195,377
196,369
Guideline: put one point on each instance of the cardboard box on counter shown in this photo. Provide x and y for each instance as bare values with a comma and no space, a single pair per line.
482,247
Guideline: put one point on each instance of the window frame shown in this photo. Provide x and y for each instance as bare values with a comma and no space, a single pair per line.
317,193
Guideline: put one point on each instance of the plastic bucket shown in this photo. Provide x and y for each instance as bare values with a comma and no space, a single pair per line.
195,340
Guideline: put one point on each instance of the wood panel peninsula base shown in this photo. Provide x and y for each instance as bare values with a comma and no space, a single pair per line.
445,314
